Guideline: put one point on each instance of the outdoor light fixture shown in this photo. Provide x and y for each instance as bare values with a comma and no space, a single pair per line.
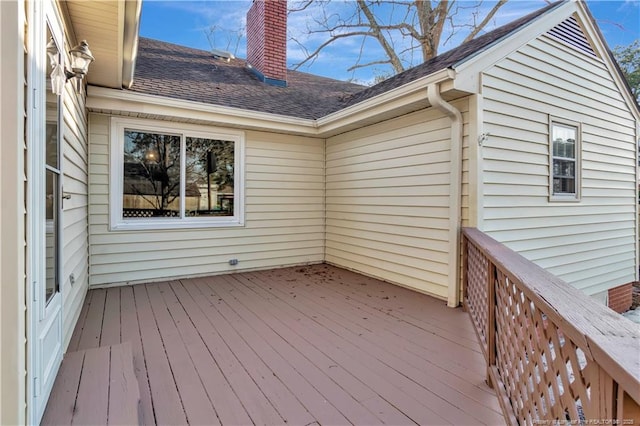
81,58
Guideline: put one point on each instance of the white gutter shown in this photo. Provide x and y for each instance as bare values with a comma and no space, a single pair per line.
455,190
132,10
101,99
366,112
413,91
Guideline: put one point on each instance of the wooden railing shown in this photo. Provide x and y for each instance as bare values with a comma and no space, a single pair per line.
554,356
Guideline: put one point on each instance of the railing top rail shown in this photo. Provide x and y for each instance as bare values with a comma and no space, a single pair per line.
608,338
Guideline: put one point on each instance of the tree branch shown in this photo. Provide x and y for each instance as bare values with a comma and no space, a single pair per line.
485,21
377,33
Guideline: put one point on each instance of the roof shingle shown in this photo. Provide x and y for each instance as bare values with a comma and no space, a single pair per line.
173,71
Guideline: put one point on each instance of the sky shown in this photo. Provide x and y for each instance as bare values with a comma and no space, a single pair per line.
190,23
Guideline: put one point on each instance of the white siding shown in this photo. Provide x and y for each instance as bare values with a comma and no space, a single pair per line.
75,232
388,200
75,235
591,243
284,217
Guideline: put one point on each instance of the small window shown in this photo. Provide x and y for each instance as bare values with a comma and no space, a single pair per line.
173,178
565,161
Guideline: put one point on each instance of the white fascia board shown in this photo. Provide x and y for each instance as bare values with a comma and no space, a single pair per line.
469,70
383,103
120,101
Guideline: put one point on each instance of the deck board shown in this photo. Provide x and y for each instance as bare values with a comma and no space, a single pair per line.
425,361
167,404
435,388
228,406
122,386
282,399
92,327
256,404
131,333
336,343
95,386
62,402
197,406
111,318
307,345
92,404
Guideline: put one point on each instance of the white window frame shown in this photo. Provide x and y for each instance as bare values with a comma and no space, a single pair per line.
116,181
569,197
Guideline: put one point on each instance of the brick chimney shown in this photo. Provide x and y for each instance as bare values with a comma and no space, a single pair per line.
267,40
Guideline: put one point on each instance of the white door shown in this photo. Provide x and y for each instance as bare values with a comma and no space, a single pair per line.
45,348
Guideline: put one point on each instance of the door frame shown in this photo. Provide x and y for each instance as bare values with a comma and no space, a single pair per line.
43,318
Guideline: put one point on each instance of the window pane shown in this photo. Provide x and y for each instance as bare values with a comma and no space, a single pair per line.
564,158
209,177
51,229
151,175
564,168
564,141
51,142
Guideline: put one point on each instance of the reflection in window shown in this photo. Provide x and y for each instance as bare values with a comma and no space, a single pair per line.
52,175
564,159
51,227
209,177
151,175
152,184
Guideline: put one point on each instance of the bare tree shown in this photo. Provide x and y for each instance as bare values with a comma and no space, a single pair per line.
407,31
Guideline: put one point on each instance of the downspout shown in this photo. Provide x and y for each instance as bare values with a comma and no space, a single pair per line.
455,190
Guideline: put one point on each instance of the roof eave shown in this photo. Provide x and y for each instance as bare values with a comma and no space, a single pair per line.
123,102
412,95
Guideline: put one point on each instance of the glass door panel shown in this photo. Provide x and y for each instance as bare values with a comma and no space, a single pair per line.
52,179
51,236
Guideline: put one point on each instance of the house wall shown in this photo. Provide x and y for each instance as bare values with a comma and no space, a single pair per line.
590,243
13,51
284,217
388,199
75,226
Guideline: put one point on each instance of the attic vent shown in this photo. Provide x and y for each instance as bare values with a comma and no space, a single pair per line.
570,32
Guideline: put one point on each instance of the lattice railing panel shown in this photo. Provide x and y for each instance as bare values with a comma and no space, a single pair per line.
552,353
545,374
476,291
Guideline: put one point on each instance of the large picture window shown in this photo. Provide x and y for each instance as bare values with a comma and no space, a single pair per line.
174,177
565,160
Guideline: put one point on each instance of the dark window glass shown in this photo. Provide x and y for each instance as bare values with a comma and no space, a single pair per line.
564,158
209,186
151,186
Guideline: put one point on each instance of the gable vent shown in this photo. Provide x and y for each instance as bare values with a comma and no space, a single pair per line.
570,32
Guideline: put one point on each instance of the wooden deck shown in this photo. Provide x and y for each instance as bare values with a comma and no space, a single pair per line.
305,345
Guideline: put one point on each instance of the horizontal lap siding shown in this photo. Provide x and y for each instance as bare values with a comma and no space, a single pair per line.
284,217
75,234
388,200
591,244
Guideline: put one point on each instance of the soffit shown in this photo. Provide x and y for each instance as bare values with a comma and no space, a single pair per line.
101,23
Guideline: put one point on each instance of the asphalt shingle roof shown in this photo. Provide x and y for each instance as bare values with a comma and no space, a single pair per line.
173,71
